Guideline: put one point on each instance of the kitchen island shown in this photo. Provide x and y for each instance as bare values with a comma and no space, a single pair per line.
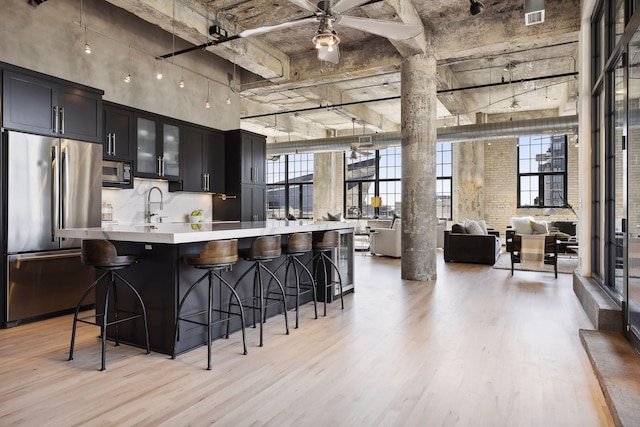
162,278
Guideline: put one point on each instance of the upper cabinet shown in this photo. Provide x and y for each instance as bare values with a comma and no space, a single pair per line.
51,107
245,178
118,136
157,147
252,156
203,161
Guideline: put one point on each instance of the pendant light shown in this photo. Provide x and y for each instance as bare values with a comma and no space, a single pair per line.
127,78
87,47
206,103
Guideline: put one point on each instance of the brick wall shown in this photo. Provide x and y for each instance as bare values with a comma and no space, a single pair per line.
500,185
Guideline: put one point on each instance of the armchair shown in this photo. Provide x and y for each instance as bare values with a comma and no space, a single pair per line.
550,251
386,241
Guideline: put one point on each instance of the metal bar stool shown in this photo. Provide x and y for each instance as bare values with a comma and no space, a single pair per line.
102,255
263,249
215,257
322,259
297,245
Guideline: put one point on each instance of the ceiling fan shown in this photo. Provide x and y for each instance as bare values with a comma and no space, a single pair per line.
326,14
355,150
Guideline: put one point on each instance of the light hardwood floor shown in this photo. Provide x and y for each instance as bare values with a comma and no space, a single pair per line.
477,347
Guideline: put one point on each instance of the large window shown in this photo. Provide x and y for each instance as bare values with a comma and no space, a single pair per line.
290,186
380,174
375,174
542,171
444,166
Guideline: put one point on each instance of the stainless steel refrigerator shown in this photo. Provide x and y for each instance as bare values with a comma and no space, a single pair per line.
51,183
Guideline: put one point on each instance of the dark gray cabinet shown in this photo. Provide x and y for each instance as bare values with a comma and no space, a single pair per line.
253,157
203,161
118,132
50,107
245,178
157,147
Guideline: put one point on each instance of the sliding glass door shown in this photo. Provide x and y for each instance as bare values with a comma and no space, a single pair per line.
632,229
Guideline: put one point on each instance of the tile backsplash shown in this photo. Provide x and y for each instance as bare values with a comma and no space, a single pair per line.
129,204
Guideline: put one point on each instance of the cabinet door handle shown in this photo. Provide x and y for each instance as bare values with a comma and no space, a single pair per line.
62,120
204,181
162,162
208,182
159,166
113,144
108,144
56,119
252,178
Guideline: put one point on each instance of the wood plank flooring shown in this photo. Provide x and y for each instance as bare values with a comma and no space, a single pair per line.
477,347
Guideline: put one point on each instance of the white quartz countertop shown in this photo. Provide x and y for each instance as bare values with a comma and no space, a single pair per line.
175,233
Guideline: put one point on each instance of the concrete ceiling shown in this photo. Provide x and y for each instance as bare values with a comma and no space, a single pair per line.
286,92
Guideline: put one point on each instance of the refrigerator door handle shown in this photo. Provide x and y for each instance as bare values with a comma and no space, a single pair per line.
64,187
62,120
55,191
55,118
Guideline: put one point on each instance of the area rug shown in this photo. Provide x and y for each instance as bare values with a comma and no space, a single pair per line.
565,265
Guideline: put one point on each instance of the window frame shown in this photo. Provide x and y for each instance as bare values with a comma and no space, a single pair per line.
301,189
542,174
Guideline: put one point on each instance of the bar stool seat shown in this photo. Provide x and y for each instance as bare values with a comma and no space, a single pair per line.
263,249
216,257
298,244
321,261
102,255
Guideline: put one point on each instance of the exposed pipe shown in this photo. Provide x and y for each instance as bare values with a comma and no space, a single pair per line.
515,128
396,97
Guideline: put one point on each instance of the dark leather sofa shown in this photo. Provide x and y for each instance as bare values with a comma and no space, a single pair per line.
472,248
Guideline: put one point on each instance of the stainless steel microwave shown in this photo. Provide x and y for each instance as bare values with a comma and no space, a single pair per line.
116,172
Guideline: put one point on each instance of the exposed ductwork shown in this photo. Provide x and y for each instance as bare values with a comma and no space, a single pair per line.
483,131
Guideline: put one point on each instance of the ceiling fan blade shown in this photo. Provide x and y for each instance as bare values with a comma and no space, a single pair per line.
389,29
305,5
266,29
325,55
365,153
344,5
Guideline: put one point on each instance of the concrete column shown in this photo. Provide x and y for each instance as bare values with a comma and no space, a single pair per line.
419,133
468,193
328,178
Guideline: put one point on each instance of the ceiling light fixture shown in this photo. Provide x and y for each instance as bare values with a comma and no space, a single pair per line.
159,75
326,36
509,66
206,103
87,47
230,79
127,78
181,84
476,7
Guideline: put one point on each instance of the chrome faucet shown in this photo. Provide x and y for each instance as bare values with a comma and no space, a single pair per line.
148,214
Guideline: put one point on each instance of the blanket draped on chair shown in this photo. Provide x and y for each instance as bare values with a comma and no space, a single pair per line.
532,250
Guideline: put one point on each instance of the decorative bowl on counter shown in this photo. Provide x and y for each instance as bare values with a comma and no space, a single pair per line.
196,218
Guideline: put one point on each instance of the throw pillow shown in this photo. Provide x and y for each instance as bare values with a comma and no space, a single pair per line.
562,236
539,227
336,217
483,224
458,228
473,227
522,224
